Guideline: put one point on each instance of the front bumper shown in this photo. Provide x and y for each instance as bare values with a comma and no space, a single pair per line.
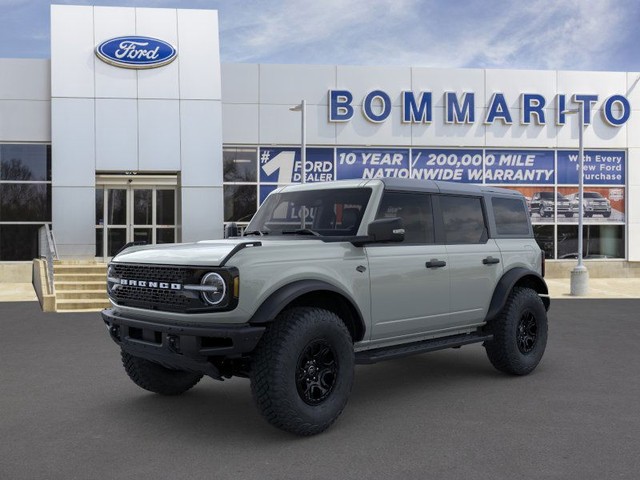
185,347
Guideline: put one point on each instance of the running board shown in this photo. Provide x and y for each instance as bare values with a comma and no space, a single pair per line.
367,357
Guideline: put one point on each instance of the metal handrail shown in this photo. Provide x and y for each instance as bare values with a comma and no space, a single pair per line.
49,251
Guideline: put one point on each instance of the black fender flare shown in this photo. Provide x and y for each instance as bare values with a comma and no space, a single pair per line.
506,283
282,297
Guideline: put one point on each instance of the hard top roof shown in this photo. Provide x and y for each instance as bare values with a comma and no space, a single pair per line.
443,187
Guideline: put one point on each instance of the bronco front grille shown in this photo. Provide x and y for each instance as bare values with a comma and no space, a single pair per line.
155,287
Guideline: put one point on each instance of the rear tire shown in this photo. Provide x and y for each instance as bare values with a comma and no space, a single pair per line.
157,379
302,370
519,333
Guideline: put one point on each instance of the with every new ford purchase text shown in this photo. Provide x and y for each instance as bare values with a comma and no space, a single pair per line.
327,276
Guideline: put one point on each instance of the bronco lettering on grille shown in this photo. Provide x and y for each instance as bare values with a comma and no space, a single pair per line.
150,284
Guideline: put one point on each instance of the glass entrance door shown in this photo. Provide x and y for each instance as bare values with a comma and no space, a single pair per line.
133,213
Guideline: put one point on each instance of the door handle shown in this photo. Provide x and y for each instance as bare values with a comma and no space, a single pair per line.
490,260
435,263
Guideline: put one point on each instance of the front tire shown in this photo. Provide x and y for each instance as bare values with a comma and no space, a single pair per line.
302,371
542,212
519,333
157,379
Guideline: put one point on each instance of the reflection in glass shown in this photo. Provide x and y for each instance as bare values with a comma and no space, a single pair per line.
18,242
116,239
100,206
545,238
463,219
25,162
143,235
239,164
165,235
239,202
99,242
165,207
117,206
599,241
511,216
415,211
25,202
142,207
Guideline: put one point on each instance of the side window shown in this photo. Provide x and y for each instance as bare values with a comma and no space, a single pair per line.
511,216
463,219
415,211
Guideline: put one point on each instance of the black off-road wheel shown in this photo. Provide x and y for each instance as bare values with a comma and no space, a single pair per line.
519,333
302,370
156,378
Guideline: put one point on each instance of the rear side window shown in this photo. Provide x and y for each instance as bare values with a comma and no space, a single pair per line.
415,211
511,216
463,219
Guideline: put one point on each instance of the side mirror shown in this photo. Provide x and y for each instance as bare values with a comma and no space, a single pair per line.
386,230
231,230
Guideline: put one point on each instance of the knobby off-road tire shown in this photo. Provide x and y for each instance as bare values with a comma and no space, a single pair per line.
519,333
302,370
156,378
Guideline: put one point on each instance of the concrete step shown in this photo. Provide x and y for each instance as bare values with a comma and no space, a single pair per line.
64,286
77,262
80,277
82,294
79,269
86,305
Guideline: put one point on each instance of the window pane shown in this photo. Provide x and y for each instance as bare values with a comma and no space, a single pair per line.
239,202
116,206
165,207
545,238
542,204
239,164
463,219
143,235
100,206
511,216
116,239
599,241
415,212
18,242
25,202
142,207
25,162
99,242
165,235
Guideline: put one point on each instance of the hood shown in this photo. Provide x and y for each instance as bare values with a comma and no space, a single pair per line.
206,253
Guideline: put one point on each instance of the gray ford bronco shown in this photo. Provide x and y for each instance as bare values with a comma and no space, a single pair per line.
327,276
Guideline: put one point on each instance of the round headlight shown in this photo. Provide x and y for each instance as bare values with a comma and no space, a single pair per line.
214,288
110,272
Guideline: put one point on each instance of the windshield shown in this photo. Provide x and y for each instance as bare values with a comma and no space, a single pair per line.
592,195
330,212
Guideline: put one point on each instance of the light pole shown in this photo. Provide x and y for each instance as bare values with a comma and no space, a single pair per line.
302,107
580,274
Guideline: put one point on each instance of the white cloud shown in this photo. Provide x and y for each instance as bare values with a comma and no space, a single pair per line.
535,34
547,34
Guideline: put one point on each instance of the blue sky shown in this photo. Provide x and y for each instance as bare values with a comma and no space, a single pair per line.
532,34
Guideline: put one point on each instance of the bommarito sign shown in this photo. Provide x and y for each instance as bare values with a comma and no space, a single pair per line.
459,108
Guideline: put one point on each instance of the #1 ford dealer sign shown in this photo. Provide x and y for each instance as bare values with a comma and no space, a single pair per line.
136,52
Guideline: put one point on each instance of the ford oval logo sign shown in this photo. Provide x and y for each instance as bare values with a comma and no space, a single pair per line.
136,52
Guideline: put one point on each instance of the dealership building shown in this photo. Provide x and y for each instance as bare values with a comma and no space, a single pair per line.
134,131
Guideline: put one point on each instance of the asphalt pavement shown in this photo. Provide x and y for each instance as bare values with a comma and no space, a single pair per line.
68,411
